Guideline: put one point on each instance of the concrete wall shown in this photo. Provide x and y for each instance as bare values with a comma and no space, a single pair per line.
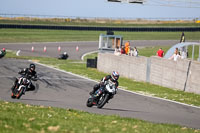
134,67
182,74
169,73
193,81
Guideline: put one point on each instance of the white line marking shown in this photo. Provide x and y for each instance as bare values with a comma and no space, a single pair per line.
64,79
119,88
82,57
78,79
18,52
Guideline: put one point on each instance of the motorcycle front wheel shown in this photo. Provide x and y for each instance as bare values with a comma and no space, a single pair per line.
103,100
13,95
19,94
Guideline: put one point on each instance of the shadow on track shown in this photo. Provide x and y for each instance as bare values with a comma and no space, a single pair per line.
38,100
123,110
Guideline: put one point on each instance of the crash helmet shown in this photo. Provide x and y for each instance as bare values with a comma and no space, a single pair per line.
4,49
32,67
115,76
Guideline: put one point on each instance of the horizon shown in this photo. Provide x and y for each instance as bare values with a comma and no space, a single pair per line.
95,8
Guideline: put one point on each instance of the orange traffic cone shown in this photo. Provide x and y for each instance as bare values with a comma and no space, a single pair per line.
77,48
59,48
32,49
45,48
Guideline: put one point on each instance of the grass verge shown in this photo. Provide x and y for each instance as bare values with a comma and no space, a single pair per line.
39,35
23,118
108,23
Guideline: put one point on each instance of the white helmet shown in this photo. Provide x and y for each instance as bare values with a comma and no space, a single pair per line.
115,76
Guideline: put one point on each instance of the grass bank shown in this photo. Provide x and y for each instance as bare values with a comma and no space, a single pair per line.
22,118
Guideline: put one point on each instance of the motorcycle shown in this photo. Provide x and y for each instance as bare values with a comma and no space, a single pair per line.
21,87
102,95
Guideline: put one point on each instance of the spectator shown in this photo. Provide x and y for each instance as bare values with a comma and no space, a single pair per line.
2,52
183,53
131,52
127,48
123,50
176,50
117,51
176,55
135,52
160,52
182,37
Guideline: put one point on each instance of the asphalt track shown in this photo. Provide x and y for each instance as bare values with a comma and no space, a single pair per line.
70,47
60,89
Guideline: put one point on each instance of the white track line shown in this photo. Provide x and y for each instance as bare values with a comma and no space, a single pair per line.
80,79
119,88
82,57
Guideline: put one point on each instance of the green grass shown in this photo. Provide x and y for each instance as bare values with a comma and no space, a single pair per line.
38,35
23,118
106,24
140,87
151,51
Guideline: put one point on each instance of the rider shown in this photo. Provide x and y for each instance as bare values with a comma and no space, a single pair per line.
113,77
31,75
63,56
2,52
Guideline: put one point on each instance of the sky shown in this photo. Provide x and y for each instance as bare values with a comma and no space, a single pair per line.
94,8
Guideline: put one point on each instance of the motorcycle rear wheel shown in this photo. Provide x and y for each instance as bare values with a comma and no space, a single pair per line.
89,102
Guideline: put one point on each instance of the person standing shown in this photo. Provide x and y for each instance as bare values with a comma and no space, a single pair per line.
160,52
123,50
182,37
127,48
135,52
176,55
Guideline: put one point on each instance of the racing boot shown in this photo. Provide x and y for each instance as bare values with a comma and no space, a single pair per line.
95,88
14,85
92,92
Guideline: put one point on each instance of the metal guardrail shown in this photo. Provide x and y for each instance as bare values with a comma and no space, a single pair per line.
87,28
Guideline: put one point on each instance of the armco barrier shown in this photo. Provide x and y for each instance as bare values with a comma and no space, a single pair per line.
89,28
182,74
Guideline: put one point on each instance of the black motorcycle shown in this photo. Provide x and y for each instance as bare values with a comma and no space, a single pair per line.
102,95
